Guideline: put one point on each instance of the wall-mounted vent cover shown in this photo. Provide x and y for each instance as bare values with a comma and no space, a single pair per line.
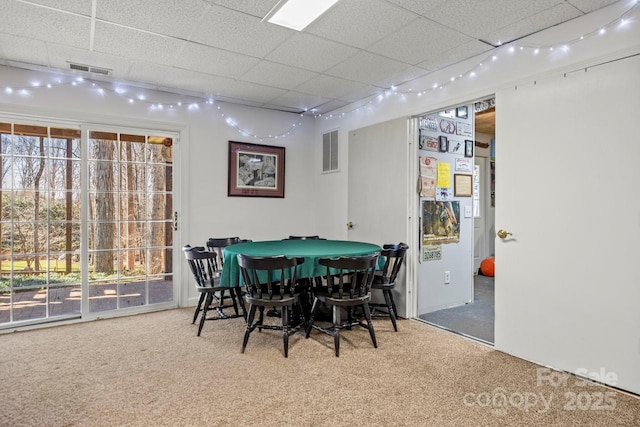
90,69
330,151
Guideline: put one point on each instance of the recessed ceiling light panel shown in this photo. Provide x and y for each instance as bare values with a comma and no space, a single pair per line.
297,14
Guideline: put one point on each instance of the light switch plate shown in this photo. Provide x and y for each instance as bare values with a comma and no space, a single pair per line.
467,212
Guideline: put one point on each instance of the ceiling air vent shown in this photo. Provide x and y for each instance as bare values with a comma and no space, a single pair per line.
90,69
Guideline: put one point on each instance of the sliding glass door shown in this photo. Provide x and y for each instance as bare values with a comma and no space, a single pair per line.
129,228
85,223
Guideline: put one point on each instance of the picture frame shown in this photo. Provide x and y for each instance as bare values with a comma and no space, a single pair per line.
468,148
462,112
449,113
462,185
255,170
444,144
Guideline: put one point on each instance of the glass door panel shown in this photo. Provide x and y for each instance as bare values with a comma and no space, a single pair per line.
40,218
130,220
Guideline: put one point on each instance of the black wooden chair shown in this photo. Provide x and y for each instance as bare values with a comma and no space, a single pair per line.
307,285
349,282
217,245
204,267
305,238
270,283
385,281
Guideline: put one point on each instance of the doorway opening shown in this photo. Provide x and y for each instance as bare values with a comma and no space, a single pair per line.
450,296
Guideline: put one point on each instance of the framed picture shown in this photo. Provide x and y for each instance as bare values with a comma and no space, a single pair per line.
255,170
447,113
444,144
468,148
461,112
462,185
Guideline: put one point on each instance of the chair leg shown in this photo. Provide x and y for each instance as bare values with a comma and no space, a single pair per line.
314,308
238,292
207,302
367,315
392,315
199,307
250,326
393,304
303,315
260,318
285,329
232,294
336,329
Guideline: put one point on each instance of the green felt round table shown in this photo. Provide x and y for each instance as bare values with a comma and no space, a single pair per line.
311,250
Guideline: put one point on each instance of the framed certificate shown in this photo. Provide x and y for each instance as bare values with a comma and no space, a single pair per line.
462,185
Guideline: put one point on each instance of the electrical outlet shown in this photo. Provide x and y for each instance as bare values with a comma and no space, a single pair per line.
447,277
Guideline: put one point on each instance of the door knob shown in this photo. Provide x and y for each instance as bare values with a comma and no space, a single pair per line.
503,234
350,225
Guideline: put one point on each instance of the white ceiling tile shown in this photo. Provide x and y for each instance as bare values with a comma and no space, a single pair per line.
547,18
302,101
311,52
23,49
83,7
363,92
434,39
475,18
198,83
586,6
22,19
330,87
252,92
214,61
239,32
401,76
257,8
360,23
418,6
177,18
366,68
457,54
138,45
278,75
330,106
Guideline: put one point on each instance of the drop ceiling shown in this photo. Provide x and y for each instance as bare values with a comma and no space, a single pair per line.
222,49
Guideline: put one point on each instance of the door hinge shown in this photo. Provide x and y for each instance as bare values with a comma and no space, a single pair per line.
175,221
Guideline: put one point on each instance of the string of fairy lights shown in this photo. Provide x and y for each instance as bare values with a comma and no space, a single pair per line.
133,95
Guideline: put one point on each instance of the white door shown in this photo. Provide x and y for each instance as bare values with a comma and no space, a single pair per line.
377,195
377,183
567,291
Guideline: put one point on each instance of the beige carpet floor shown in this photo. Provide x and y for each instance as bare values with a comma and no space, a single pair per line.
152,370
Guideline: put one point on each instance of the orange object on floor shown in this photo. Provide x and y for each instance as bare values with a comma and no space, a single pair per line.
488,266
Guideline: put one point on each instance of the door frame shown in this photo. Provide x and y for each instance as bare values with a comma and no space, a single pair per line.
177,272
